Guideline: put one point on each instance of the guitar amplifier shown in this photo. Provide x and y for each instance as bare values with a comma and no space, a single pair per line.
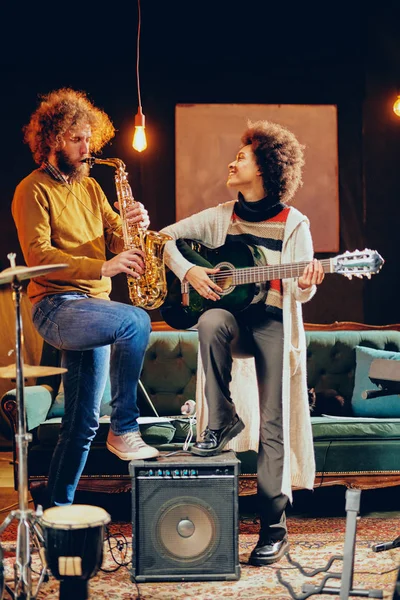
185,518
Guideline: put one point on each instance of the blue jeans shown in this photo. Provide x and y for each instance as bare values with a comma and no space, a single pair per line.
85,330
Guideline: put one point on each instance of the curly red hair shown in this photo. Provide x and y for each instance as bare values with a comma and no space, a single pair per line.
57,112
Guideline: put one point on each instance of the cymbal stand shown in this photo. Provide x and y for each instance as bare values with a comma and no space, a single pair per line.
28,531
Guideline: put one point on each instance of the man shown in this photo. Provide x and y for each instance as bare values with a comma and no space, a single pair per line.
63,216
266,173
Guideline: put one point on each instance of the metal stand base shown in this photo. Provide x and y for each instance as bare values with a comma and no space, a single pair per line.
345,590
29,536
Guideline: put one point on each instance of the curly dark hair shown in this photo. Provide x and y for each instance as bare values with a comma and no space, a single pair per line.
57,112
279,155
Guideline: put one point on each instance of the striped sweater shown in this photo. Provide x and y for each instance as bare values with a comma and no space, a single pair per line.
268,237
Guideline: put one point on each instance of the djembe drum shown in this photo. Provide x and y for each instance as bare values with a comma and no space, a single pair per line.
73,541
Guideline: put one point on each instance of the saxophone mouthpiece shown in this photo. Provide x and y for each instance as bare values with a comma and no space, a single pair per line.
90,160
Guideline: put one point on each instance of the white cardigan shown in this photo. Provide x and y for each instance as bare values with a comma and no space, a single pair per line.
210,228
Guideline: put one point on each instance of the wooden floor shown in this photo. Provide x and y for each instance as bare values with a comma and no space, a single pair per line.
8,496
6,474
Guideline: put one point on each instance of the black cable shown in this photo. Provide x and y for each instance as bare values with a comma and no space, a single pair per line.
314,571
317,589
120,544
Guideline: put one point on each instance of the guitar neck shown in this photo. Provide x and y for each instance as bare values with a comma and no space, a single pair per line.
269,272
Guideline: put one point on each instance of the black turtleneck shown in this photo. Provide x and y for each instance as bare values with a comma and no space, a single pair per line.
261,210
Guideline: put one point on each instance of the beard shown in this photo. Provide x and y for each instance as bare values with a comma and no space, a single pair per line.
69,169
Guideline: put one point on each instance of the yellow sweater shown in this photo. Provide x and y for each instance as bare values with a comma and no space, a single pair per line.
66,223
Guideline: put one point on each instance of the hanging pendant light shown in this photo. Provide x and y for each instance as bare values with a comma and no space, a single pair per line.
139,142
396,106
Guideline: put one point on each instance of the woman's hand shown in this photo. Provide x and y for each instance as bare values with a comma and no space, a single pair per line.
130,262
313,274
137,214
198,278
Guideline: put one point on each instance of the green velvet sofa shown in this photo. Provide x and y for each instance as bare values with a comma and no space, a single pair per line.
358,448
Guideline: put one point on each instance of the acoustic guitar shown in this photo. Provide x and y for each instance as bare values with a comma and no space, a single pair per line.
244,276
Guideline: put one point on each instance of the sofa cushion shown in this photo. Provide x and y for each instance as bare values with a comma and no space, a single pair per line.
383,406
351,428
183,430
57,408
154,434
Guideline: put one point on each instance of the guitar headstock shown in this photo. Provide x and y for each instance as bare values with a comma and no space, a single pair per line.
360,263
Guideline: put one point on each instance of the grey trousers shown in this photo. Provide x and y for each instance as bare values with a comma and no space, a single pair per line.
222,336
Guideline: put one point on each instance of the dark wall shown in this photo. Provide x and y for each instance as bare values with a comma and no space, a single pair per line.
224,53
381,137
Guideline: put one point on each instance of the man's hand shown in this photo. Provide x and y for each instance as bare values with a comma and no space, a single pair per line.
313,274
137,214
198,278
129,261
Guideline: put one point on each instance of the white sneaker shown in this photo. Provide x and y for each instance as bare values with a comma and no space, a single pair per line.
130,446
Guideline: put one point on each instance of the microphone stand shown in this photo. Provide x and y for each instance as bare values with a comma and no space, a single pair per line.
27,519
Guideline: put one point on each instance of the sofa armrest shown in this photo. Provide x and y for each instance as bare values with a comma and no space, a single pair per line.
37,402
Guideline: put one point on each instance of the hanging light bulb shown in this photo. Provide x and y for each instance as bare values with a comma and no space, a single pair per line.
139,142
139,137
396,106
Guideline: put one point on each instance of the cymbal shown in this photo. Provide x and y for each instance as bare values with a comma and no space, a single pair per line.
10,371
24,272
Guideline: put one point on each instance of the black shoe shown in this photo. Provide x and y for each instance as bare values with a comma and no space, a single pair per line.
268,552
214,440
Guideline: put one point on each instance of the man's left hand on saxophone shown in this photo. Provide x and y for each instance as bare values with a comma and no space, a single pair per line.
136,214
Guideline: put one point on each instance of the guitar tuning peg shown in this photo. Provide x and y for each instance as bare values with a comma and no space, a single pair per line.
368,275
349,277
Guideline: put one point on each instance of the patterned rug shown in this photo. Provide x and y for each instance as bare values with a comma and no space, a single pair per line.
313,542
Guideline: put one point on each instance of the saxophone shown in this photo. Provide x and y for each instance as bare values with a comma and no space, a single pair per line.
150,289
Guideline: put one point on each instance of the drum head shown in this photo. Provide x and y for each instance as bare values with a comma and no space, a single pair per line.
75,516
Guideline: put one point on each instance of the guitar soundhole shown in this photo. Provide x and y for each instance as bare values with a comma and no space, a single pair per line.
224,280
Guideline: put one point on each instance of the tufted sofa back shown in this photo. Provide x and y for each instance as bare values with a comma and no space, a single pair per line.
170,364
331,356
169,370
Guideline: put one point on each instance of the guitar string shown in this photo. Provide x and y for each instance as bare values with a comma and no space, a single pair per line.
267,270
242,275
